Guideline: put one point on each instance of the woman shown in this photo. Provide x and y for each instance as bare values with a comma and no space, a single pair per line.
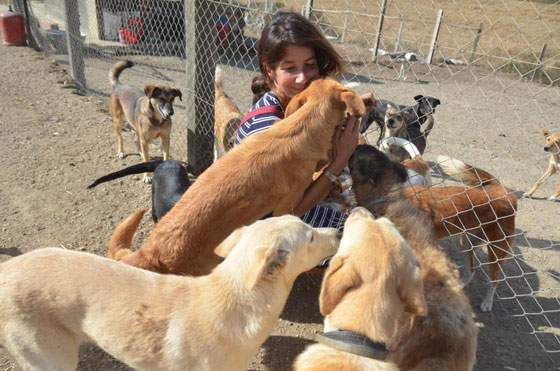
292,51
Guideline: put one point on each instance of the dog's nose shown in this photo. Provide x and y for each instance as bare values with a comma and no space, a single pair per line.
390,122
546,148
170,113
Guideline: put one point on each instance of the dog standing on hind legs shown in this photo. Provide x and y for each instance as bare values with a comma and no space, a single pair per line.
148,112
552,145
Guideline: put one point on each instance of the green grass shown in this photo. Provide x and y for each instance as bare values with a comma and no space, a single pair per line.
548,74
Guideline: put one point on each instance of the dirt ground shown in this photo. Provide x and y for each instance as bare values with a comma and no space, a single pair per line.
54,142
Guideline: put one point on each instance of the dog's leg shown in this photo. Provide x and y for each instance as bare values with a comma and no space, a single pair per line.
145,155
555,196
117,122
469,261
165,144
497,252
551,170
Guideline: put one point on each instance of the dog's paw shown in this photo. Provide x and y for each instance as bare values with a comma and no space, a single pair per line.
527,195
486,306
554,198
121,155
147,179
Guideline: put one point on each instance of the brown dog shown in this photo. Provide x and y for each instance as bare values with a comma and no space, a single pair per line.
227,118
446,338
552,145
268,172
148,112
372,287
54,299
484,211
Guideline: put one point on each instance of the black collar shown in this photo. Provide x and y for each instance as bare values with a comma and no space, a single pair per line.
353,342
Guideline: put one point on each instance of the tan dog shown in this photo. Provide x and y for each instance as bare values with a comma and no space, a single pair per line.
373,286
55,299
227,118
268,172
484,211
446,338
148,112
395,124
552,145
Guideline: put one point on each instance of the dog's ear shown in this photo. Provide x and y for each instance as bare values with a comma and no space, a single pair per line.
400,171
266,260
545,133
226,245
418,98
339,279
411,291
152,91
296,103
354,103
177,93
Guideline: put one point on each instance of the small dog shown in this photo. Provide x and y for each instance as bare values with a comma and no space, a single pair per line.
420,113
373,287
53,300
552,145
227,118
484,210
169,183
148,112
266,173
446,338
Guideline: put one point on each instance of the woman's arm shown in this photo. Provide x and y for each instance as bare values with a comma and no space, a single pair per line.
345,140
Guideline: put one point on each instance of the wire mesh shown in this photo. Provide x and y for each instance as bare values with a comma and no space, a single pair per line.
495,67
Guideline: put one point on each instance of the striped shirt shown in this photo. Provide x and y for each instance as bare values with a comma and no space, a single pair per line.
318,216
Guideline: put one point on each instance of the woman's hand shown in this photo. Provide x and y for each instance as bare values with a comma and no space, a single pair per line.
345,140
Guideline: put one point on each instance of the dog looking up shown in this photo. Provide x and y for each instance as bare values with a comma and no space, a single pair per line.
169,182
446,338
227,117
53,300
373,288
551,145
148,112
266,172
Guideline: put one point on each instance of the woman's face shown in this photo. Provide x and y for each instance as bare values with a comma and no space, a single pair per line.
293,72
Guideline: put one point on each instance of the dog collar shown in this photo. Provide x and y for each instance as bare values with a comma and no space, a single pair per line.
377,201
353,342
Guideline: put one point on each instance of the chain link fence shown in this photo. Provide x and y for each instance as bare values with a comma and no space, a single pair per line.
495,66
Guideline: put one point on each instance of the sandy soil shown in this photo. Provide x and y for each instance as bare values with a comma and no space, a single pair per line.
55,142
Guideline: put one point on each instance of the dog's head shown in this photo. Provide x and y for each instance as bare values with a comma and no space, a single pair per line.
426,105
161,99
280,246
373,173
374,281
330,92
552,142
395,120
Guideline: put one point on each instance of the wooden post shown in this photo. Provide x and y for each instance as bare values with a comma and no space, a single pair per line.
308,8
539,65
200,38
379,28
434,37
399,34
344,26
475,42
74,42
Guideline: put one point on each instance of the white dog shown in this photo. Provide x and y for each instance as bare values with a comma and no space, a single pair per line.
53,299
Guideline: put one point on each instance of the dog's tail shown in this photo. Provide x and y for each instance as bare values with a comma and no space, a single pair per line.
116,71
121,240
143,167
467,174
219,78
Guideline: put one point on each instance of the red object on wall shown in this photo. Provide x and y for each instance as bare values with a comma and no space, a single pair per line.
133,32
223,29
13,28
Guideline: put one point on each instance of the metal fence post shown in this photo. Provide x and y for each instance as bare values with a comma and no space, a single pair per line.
200,28
308,8
539,65
434,37
379,28
399,35
74,42
475,42
344,27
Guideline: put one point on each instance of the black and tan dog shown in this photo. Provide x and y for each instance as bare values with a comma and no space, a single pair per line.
418,115
148,112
